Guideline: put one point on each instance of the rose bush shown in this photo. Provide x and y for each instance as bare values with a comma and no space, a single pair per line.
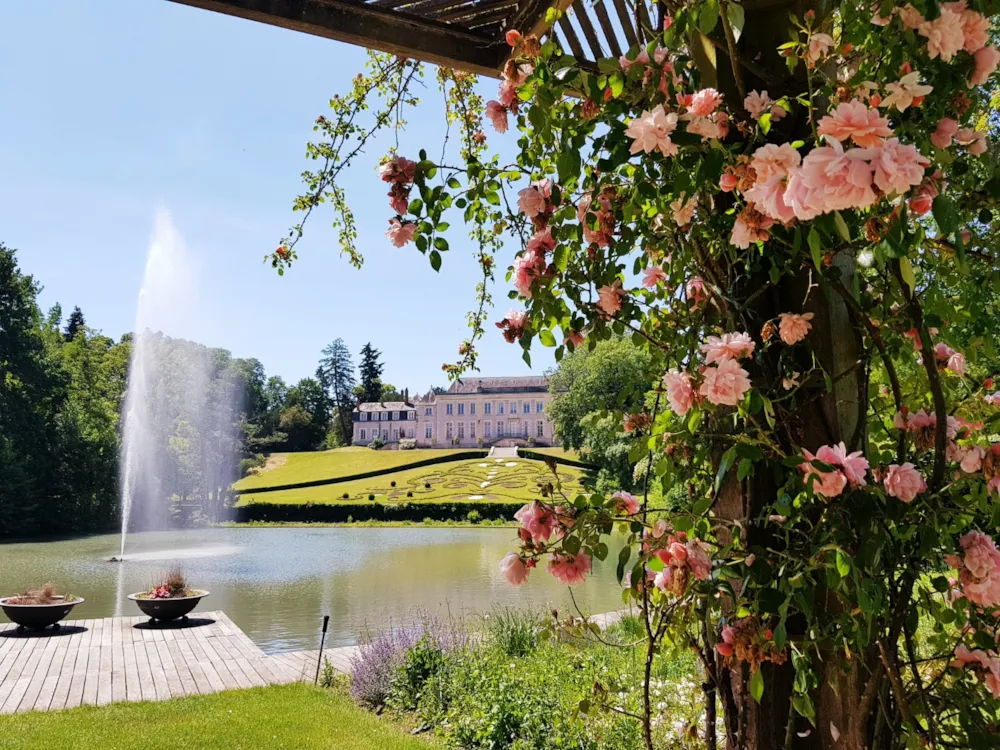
794,216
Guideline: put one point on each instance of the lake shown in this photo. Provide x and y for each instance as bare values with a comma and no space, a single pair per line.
277,583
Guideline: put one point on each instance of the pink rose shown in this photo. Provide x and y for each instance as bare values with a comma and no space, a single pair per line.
819,45
514,569
725,384
986,60
728,182
569,570
972,461
399,233
497,114
626,503
854,465
695,290
828,483
651,132
705,102
699,559
973,140
575,338
910,17
944,132
773,160
904,482
727,346
610,298
975,30
757,103
537,520
680,393
920,204
683,210
653,276
856,121
898,167
956,363
531,201
944,35
793,328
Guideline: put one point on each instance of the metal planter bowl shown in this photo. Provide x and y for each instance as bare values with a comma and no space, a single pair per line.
167,609
37,616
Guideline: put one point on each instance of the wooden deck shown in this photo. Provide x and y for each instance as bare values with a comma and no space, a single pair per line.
97,662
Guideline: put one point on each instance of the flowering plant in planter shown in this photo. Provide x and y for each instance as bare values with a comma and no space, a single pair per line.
790,205
174,586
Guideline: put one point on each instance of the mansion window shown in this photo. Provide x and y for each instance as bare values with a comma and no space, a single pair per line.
427,432
447,409
538,407
541,428
526,408
363,417
395,434
487,408
395,416
461,409
501,408
362,434
500,428
472,430
428,411
487,429
461,430
513,407
447,430
472,409
409,433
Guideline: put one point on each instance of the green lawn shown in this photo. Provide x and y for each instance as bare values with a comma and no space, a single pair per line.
556,451
292,468
459,480
285,716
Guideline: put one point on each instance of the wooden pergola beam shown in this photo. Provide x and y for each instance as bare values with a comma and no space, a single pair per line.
389,31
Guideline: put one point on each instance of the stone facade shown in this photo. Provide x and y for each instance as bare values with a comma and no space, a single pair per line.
473,412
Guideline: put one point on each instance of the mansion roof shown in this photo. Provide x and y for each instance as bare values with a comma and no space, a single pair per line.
384,406
529,384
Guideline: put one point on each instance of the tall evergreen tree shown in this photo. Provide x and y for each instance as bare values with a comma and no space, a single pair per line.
337,368
74,323
371,373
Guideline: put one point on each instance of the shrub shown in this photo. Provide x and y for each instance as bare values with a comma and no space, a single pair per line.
407,444
409,493
427,485
347,496
385,661
392,483
472,516
328,676
376,444
629,627
422,661
454,441
531,439
514,632
371,497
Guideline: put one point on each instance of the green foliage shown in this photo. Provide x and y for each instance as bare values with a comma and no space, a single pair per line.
595,390
371,374
511,631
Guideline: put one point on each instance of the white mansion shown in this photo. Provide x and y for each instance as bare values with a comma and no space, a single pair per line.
473,412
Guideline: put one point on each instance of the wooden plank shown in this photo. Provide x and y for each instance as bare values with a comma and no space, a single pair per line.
198,676
160,686
65,678
609,33
626,22
79,676
118,686
51,677
36,677
574,41
147,691
371,27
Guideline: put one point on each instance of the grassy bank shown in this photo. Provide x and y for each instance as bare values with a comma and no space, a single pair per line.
517,480
375,524
295,468
286,716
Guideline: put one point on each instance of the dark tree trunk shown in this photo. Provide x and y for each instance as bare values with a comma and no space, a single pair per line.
826,418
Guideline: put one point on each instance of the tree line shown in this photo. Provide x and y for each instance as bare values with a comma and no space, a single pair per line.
62,392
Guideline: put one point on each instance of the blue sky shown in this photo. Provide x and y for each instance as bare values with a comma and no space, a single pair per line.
115,109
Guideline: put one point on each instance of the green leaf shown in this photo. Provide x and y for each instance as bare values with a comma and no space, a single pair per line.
453,183
601,551
841,225
757,685
737,18
745,470
435,260
804,705
441,243
945,214
727,461
708,17
906,271
940,584
815,247
623,557
765,122
568,164
546,338
843,565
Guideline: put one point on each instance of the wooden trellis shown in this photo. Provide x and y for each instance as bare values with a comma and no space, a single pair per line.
464,34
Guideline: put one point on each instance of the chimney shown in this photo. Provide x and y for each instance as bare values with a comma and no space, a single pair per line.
406,395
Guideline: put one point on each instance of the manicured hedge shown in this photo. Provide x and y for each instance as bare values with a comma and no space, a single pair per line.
340,512
446,458
535,456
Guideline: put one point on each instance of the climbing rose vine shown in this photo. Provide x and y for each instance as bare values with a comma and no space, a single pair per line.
791,208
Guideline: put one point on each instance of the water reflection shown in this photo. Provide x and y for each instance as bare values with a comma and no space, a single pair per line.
277,584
